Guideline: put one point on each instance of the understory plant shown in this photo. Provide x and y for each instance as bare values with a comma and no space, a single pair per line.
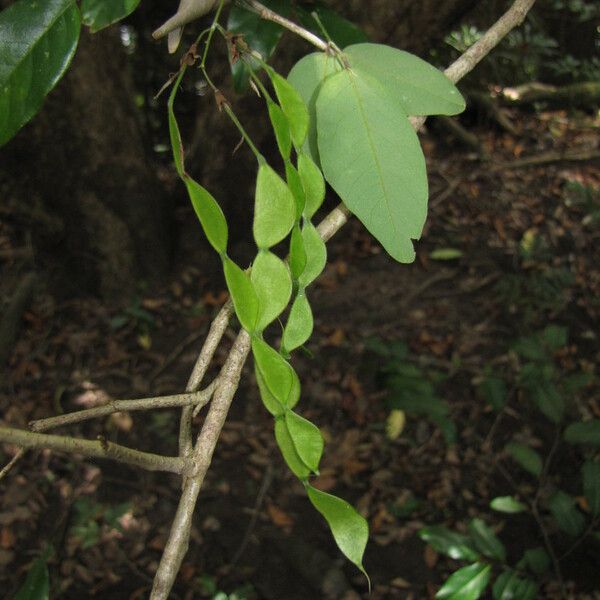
345,115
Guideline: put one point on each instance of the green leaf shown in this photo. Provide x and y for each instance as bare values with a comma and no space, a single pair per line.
281,127
174,133
507,504
584,432
288,450
340,30
509,586
293,107
245,300
295,184
450,543
568,518
273,285
536,560
555,337
445,254
297,252
307,439
270,402
306,76
418,86
486,541
494,391
299,325
37,44
316,254
548,400
259,34
467,583
37,582
371,156
275,208
591,486
210,215
526,457
350,530
98,14
276,372
313,184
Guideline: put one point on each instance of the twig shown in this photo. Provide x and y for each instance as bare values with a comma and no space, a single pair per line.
194,399
100,448
11,463
574,155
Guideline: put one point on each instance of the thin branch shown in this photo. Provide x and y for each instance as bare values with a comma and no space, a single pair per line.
179,536
193,399
11,463
100,448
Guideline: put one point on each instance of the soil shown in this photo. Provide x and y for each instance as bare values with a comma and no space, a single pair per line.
254,527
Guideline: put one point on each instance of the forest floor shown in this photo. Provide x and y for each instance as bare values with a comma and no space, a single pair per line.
510,247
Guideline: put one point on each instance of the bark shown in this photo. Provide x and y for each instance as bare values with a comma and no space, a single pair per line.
82,160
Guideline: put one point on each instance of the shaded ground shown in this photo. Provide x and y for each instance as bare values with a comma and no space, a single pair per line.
529,258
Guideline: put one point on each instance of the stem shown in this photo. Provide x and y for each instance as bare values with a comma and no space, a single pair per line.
100,448
189,399
214,26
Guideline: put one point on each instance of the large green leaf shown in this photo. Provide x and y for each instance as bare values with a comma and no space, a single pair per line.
97,14
486,541
245,300
37,582
316,254
276,372
293,107
584,432
273,285
350,530
37,42
307,439
467,583
306,76
564,510
259,34
536,560
509,586
591,486
448,542
274,209
418,86
299,325
371,156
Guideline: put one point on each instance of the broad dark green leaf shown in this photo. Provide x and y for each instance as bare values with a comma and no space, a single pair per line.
316,254
509,586
274,209
259,34
273,285
526,457
299,325
419,87
97,14
297,253
591,486
564,510
288,450
281,127
313,184
306,76
242,293
293,107
307,439
584,432
467,583
536,560
37,42
341,31
371,156
448,542
507,504
210,215
350,530
37,582
276,372
486,541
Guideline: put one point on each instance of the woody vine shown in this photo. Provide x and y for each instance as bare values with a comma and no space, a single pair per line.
347,117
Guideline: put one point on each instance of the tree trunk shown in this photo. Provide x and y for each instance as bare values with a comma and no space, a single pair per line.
82,161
